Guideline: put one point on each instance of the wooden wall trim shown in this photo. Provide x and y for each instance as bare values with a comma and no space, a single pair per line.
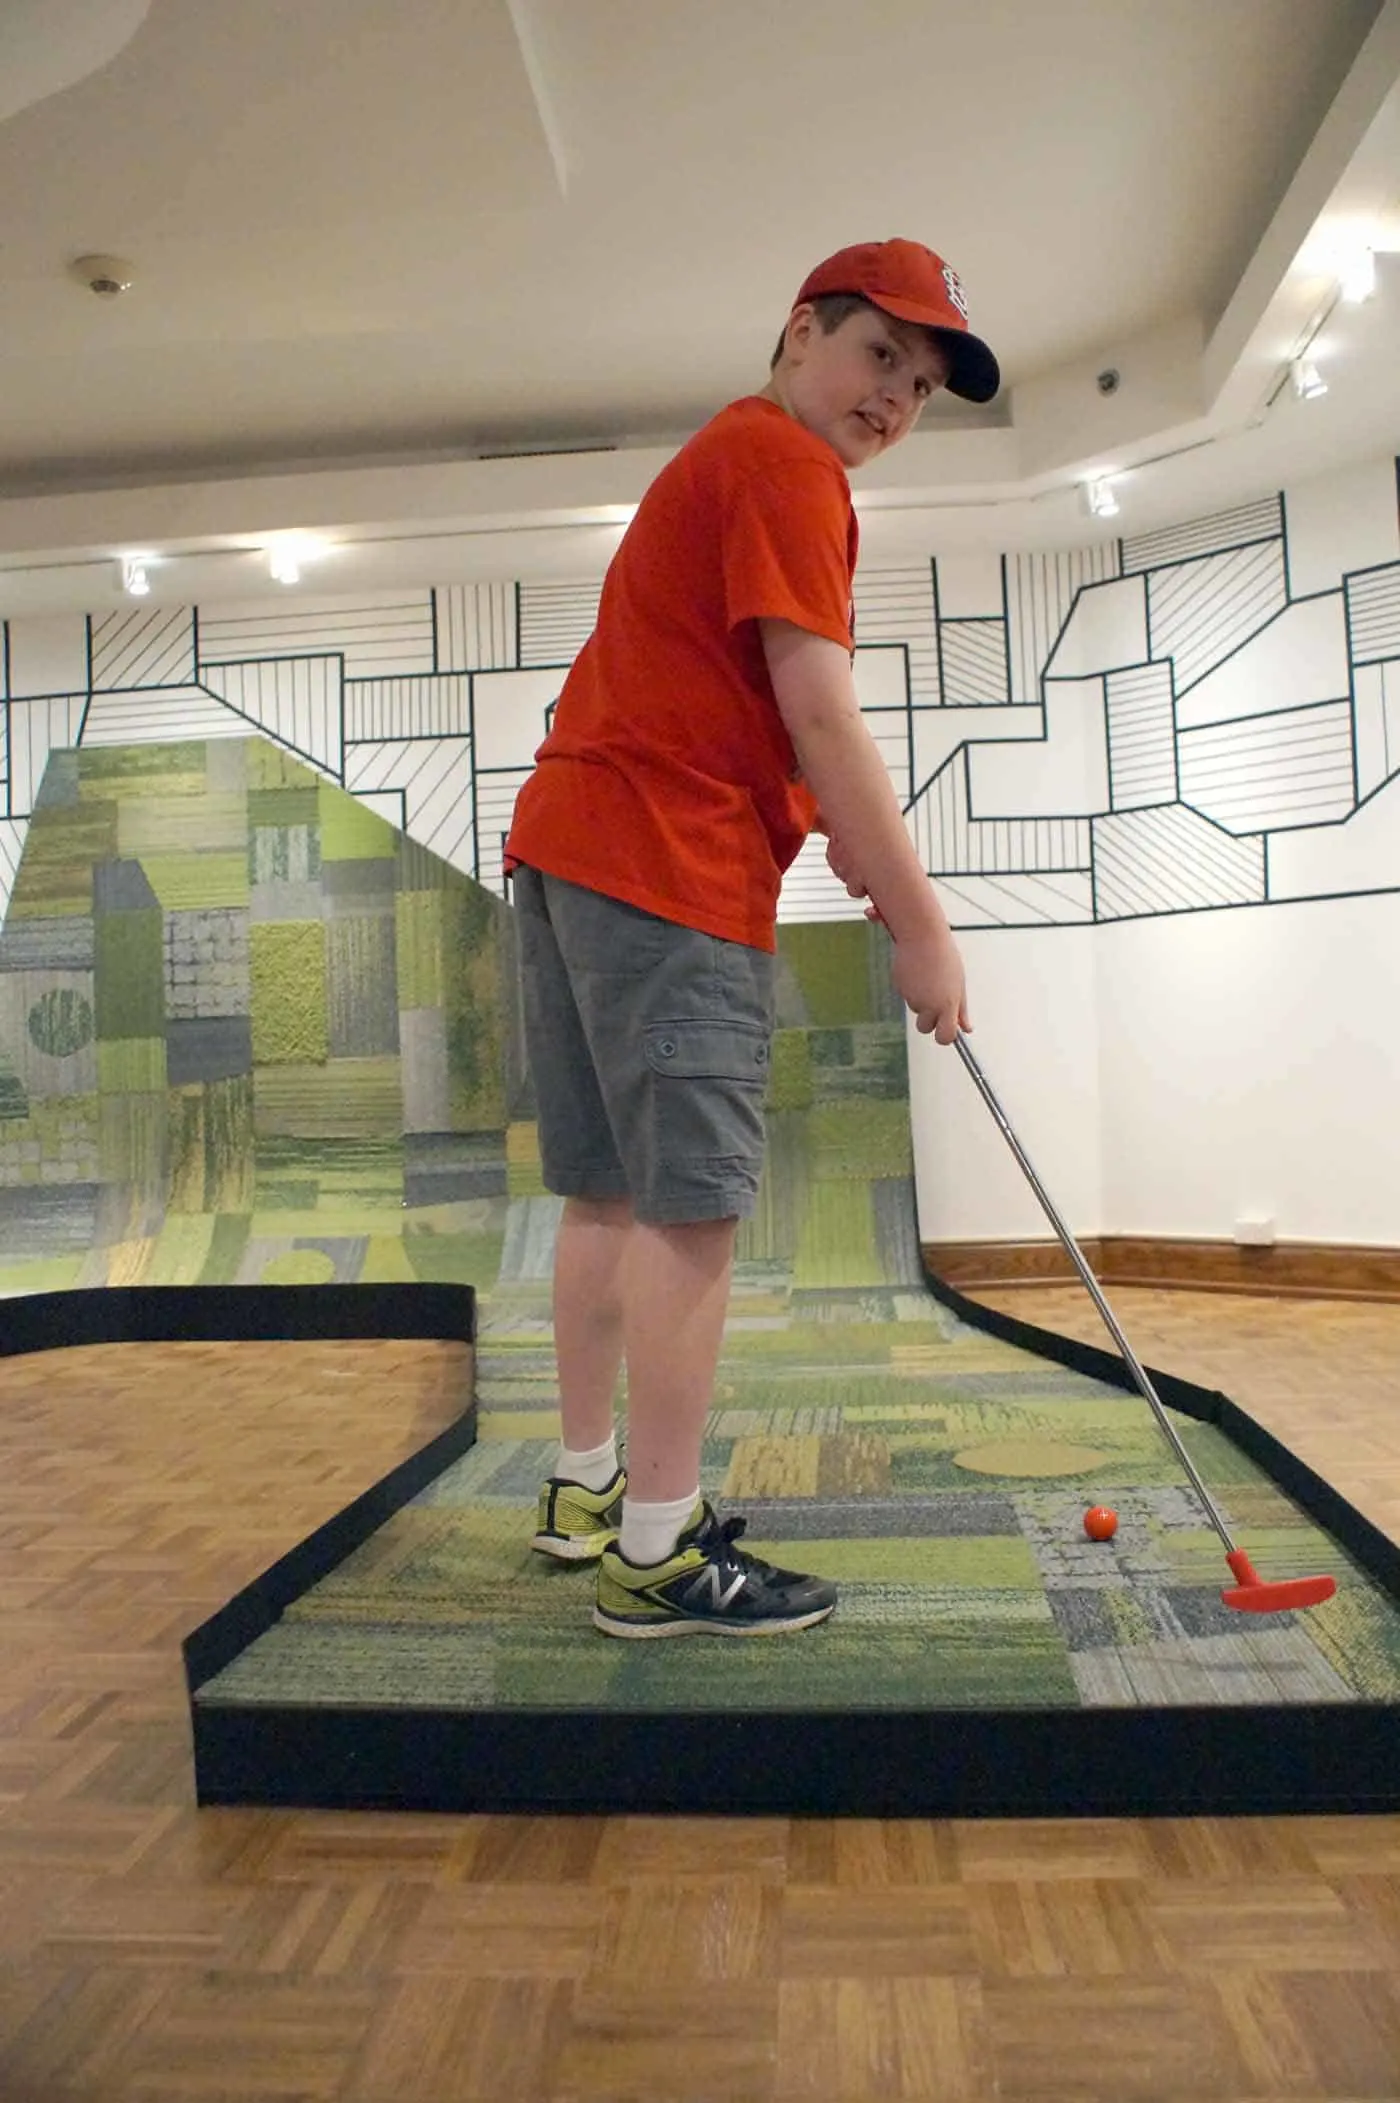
1291,1269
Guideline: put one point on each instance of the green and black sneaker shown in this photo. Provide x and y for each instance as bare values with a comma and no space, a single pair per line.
576,1524
708,1587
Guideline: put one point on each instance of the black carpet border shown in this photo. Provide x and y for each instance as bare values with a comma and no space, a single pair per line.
1317,1759
251,1612
1249,1761
163,1314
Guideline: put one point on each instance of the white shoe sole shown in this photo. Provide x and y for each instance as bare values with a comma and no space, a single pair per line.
644,1630
572,1549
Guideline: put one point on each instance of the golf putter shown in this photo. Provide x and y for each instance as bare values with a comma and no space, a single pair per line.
1249,1593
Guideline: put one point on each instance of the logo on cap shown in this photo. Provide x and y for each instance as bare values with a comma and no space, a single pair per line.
955,290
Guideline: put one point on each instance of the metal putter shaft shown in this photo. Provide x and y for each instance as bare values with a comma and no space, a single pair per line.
1250,1592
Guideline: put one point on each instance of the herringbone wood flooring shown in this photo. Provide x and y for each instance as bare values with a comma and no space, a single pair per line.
150,1953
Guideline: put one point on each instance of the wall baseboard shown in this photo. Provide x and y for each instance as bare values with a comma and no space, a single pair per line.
1317,1270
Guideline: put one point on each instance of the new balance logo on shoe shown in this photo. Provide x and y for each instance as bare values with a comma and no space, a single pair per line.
709,1588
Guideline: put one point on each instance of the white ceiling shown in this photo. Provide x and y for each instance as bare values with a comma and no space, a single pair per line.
376,240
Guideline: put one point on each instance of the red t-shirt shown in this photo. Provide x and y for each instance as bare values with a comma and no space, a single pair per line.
668,779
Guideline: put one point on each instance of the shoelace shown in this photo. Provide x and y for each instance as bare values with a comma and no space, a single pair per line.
717,1539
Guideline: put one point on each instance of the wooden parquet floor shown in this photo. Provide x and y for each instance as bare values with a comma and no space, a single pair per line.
151,1953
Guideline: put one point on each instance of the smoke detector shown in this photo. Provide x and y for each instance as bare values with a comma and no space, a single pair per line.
107,276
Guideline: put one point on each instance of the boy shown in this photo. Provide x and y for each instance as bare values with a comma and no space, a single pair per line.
708,725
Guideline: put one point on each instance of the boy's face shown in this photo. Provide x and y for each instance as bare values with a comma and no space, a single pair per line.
862,387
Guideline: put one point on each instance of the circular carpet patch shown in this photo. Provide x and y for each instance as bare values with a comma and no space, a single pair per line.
1040,1458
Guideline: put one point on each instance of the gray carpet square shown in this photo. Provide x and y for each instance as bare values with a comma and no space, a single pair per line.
361,994
971,1515
361,886
208,1048
286,901
122,887
423,1057
64,943
59,788
56,1219
444,1168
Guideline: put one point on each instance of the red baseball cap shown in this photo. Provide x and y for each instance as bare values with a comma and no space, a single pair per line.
911,282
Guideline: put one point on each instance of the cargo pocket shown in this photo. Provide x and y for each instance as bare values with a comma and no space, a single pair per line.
709,1080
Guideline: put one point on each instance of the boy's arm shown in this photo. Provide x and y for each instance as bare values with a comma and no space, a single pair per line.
841,764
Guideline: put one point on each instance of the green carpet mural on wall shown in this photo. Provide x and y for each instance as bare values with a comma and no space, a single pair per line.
249,1034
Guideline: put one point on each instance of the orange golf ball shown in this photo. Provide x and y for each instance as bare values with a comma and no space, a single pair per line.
1100,1523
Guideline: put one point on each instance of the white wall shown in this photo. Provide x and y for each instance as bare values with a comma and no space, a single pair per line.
1034,1005
1170,1077
1250,1065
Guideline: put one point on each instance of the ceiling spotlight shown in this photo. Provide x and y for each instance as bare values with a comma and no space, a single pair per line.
1357,276
136,579
1308,382
289,552
1099,498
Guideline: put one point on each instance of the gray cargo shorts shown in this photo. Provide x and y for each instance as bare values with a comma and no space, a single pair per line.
649,1047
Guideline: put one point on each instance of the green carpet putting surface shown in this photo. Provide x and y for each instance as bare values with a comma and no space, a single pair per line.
867,1434
938,1475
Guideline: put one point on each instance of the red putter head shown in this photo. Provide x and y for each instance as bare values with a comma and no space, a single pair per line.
1251,1595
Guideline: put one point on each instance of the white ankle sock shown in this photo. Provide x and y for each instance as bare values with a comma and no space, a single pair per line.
595,1469
650,1531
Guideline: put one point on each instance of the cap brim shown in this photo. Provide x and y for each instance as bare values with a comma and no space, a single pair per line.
973,372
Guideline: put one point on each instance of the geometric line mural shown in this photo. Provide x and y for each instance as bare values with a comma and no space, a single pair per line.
433,775
1199,611
36,727
974,663
1299,656
898,606
477,627
890,729
1040,594
376,633
143,649
1132,723
496,791
950,840
1171,861
158,715
408,708
1377,707
556,621
1065,899
1214,535
1294,768
1373,613
296,700
1141,737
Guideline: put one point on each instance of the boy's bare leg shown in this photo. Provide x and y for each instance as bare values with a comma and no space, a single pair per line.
675,1294
588,1266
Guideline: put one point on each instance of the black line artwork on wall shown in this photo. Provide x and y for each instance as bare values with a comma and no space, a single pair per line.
1155,725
